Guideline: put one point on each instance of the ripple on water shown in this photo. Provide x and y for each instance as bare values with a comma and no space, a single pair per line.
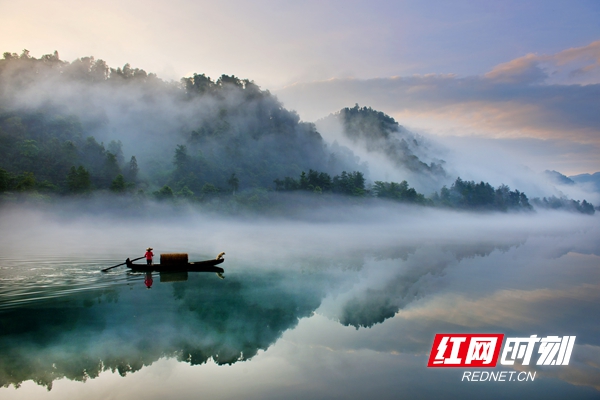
36,279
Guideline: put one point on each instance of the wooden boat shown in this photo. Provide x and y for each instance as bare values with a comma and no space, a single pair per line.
198,266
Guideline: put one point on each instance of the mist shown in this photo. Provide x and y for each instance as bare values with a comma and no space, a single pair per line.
347,237
392,273
202,137
185,134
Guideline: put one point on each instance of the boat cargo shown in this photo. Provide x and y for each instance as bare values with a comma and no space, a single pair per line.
178,262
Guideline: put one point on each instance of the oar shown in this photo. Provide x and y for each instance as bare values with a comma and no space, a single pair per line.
118,265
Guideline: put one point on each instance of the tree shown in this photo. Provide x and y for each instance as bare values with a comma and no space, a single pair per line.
26,182
233,181
185,193
349,183
29,149
94,156
116,148
165,193
321,180
132,173
111,168
586,208
303,181
198,85
118,184
398,191
229,81
4,180
181,157
78,180
209,189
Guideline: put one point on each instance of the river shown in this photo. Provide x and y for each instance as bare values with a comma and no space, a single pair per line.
345,306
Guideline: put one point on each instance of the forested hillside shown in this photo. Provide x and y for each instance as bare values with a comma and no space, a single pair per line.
82,127
126,123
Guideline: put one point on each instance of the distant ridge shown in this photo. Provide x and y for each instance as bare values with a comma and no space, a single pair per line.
558,178
588,178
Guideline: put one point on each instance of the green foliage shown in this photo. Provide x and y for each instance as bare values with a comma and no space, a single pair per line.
286,185
28,149
586,208
185,193
233,182
239,137
366,121
380,133
26,182
398,191
111,168
198,85
247,130
255,199
133,170
5,180
481,196
564,203
352,184
181,158
209,189
46,187
118,184
78,180
349,183
116,148
250,133
165,193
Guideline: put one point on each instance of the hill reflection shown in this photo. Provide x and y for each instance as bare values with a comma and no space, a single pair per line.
421,265
125,327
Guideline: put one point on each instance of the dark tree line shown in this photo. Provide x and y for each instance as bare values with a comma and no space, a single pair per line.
482,196
48,152
399,191
564,203
352,183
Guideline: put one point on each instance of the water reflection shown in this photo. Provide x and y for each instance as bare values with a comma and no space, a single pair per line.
122,329
148,281
66,320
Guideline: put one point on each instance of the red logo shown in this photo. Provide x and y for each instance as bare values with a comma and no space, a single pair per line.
465,350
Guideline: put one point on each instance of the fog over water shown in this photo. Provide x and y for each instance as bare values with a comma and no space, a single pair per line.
343,301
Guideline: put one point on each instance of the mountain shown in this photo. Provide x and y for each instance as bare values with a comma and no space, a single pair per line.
593,180
558,178
379,133
81,126
76,128
390,150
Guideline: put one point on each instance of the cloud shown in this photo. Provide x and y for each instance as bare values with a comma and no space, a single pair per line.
571,66
521,70
532,96
514,309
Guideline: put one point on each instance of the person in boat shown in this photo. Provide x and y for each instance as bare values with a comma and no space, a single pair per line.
149,255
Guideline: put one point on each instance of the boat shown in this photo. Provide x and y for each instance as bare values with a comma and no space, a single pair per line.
198,266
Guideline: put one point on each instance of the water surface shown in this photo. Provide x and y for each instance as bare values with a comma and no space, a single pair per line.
339,309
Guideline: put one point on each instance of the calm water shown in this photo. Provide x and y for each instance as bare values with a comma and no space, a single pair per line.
345,309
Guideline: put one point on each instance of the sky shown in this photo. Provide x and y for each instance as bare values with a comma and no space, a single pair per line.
523,75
